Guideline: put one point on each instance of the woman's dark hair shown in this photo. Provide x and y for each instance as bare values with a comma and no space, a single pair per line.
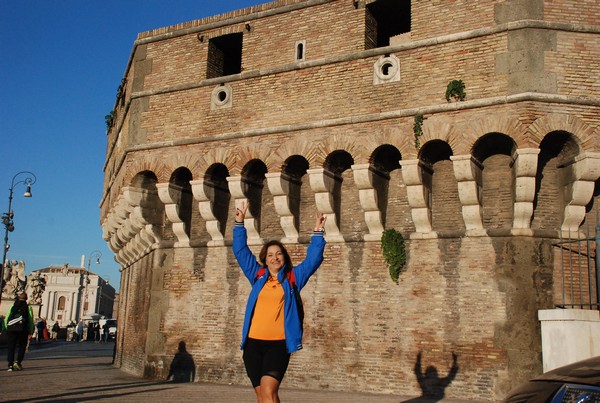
262,256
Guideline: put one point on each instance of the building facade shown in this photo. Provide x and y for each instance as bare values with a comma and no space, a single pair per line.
74,293
472,128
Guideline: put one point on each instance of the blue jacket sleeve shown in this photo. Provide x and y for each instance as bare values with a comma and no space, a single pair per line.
314,258
242,253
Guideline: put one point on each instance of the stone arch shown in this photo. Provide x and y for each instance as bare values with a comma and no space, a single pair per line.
334,144
217,155
437,128
244,155
184,160
214,202
438,177
295,205
344,195
144,179
372,180
494,152
584,134
146,163
477,126
558,150
295,147
177,196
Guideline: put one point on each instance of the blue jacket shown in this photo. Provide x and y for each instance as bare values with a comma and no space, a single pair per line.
302,272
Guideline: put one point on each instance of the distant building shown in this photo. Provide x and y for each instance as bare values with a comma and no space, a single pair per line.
74,293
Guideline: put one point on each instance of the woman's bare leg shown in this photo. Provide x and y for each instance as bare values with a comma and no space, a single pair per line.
269,389
258,395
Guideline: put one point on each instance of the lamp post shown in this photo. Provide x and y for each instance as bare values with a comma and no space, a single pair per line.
7,218
96,254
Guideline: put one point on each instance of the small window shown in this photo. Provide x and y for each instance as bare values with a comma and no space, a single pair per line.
300,49
61,304
224,55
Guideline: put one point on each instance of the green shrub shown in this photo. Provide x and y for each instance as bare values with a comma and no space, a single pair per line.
456,90
394,252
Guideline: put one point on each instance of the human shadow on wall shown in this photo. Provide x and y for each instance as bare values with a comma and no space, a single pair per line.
183,368
432,386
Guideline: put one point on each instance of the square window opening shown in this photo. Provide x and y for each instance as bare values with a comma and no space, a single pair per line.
384,20
224,55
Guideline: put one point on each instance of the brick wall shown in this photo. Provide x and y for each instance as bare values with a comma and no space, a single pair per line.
476,295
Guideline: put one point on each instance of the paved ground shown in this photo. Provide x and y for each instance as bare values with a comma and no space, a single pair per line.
81,372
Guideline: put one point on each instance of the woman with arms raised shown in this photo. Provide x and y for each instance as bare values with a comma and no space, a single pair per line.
272,328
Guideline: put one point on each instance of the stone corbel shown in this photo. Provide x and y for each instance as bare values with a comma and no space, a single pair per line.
171,195
579,181
371,184
327,188
525,170
467,172
207,194
285,191
417,178
239,191
147,216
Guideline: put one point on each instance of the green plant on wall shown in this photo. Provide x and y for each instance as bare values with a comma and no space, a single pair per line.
456,90
394,252
418,130
110,119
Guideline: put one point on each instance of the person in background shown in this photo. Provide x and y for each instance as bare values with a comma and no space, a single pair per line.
96,332
55,330
272,328
79,331
19,327
105,332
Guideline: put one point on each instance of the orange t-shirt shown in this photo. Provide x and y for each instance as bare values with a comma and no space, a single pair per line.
267,321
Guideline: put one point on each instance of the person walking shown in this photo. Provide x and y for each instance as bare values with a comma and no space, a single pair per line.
272,328
19,327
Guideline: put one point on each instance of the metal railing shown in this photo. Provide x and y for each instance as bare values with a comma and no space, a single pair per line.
580,269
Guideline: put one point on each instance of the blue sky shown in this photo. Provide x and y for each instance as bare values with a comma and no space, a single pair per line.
61,62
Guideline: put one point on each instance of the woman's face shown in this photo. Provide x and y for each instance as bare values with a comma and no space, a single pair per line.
275,259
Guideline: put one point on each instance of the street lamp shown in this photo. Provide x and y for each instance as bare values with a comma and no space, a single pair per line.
7,218
93,255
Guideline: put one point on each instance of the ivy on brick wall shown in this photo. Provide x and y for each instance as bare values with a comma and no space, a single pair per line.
394,252
418,130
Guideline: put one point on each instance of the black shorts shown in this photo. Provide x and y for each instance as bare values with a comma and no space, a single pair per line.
265,358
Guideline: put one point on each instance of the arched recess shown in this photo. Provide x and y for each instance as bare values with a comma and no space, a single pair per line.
177,197
444,202
494,152
373,182
557,185
286,190
344,197
250,185
212,194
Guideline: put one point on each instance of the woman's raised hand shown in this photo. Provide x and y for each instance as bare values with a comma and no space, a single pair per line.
240,213
320,221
